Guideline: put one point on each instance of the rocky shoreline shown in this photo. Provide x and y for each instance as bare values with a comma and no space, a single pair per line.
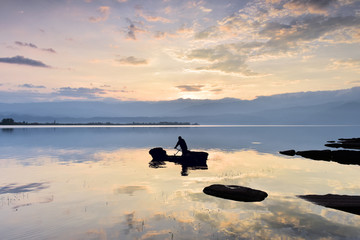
346,203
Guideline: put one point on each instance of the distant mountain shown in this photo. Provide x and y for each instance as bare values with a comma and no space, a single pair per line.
322,107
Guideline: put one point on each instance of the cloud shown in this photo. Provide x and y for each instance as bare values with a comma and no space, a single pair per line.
190,88
269,30
22,44
50,50
104,12
185,30
82,93
29,85
132,30
354,82
31,187
150,18
311,6
286,37
221,58
217,90
204,9
346,64
31,45
163,35
130,190
132,61
24,61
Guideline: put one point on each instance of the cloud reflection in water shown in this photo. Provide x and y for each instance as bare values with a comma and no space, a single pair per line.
102,187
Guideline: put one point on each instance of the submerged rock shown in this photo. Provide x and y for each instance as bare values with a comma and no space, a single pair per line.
234,192
344,203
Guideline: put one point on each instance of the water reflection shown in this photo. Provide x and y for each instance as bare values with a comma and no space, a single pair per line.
263,139
14,188
185,166
97,184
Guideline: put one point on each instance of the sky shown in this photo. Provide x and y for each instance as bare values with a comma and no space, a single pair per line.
152,50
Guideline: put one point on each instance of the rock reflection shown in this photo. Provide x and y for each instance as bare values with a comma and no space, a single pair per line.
350,204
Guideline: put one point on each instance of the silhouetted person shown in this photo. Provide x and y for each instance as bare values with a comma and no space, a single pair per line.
183,145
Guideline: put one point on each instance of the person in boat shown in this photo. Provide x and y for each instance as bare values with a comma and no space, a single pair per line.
181,142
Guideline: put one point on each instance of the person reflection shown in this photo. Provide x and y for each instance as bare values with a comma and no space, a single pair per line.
181,142
184,170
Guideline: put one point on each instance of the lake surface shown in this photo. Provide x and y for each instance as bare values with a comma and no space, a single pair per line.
96,183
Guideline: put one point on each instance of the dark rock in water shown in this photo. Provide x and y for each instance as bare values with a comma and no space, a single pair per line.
350,143
339,156
288,152
234,192
350,204
316,154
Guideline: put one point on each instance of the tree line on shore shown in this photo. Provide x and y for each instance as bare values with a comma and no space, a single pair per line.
10,121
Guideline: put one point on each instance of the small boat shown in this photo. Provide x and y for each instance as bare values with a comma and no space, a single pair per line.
159,154
190,161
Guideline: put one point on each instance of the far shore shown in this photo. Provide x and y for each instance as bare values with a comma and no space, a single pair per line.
11,122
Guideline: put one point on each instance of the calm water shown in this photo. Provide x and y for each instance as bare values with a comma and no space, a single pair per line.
96,183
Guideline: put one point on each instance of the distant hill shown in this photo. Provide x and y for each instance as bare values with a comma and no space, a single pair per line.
322,107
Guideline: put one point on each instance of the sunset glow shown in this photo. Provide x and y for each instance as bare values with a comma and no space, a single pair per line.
167,49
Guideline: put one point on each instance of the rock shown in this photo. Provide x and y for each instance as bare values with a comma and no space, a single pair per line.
288,152
234,192
350,143
339,156
344,203
316,154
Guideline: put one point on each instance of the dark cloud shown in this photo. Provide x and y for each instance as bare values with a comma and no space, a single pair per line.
284,37
131,32
29,85
190,88
132,61
23,44
31,45
132,29
80,92
24,61
50,50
